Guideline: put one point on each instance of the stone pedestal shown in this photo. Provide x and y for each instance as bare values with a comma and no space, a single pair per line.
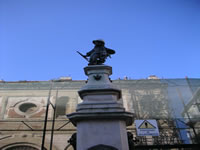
101,119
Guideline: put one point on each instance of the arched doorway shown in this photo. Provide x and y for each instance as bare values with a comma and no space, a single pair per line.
21,147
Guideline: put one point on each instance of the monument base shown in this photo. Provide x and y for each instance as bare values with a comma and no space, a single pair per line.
101,119
105,132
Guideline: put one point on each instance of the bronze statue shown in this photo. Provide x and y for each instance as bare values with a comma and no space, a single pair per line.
72,141
130,141
98,54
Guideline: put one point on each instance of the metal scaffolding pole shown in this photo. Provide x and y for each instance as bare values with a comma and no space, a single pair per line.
45,121
53,122
182,100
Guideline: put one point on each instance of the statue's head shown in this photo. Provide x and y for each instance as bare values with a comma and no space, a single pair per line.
99,42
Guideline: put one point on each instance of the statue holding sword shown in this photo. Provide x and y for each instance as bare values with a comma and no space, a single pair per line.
98,54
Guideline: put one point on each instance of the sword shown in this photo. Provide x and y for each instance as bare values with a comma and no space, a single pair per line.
83,56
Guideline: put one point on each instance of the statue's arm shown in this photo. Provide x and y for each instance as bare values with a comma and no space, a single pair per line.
90,52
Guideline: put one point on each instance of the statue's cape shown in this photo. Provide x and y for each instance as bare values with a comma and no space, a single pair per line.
110,51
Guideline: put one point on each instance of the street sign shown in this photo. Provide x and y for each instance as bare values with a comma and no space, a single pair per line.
147,128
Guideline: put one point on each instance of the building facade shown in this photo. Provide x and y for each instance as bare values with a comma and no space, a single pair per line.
23,110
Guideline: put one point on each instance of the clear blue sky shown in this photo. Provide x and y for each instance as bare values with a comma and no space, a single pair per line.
39,38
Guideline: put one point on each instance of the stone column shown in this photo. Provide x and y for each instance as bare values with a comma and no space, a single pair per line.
100,119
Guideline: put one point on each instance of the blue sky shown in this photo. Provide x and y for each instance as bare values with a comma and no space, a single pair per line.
39,39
